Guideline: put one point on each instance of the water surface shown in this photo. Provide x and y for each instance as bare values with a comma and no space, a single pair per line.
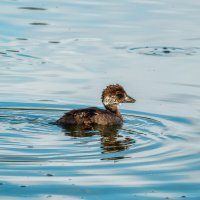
59,55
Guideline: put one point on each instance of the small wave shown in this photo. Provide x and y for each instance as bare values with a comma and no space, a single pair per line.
163,51
33,8
144,148
35,120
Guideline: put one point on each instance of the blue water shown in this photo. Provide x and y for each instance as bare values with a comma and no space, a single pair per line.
58,55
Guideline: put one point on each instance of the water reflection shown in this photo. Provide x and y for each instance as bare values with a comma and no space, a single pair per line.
110,137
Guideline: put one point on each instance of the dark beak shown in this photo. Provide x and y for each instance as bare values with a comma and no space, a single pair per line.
129,99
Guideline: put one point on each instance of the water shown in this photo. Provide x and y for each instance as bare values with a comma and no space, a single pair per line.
58,55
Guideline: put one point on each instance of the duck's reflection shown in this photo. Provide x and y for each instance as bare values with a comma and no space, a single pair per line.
110,137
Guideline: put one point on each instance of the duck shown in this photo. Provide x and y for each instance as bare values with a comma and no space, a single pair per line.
112,96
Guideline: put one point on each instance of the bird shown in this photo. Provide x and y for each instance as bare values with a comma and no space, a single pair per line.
112,96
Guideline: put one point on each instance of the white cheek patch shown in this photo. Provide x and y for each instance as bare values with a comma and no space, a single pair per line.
107,100
110,100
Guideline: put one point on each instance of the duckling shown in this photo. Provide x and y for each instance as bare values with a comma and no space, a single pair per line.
111,97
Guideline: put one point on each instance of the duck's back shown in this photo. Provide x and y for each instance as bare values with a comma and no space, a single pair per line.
89,116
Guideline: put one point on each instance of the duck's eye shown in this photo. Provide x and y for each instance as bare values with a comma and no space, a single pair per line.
119,96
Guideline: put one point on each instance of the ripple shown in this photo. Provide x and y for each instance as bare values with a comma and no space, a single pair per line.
14,51
21,39
27,56
105,143
163,51
39,24
54,42
33,8
144,152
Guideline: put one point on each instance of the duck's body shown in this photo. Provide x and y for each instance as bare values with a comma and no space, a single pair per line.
90,116
111,97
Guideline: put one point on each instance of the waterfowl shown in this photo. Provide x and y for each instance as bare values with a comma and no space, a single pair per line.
112,96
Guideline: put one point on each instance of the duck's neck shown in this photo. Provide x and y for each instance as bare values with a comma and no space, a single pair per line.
114,109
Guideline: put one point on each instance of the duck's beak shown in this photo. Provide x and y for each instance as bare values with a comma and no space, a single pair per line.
129,99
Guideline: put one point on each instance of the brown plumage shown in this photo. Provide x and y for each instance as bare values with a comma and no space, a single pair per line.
112,96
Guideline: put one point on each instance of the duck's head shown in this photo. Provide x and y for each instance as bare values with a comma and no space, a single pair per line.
113,95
